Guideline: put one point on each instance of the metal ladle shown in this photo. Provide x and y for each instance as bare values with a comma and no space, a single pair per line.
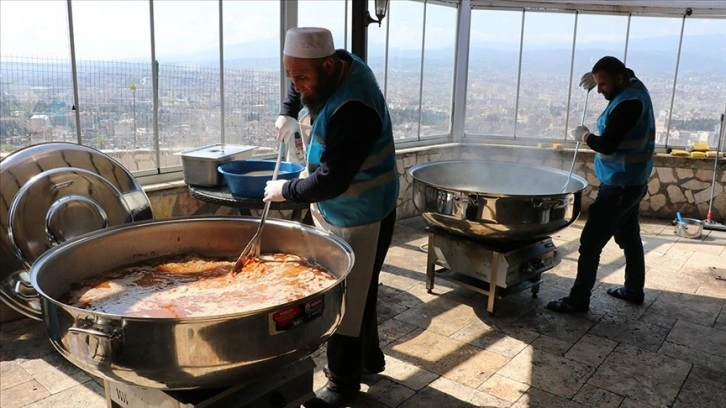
254,244
577,145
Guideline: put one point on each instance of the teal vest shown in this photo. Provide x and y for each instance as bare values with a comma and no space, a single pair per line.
632,160
373,191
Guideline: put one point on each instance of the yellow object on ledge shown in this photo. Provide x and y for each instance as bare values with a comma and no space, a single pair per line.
698,154
557,146
712,154
679,152
701,147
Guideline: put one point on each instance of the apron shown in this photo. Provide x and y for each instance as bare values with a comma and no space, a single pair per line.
364,241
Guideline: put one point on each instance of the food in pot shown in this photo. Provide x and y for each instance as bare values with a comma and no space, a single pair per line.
194,286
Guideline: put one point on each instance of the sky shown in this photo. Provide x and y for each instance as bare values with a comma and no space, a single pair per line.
119,29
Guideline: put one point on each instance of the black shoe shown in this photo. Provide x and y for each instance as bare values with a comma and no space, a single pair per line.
622,293
565,305
328,397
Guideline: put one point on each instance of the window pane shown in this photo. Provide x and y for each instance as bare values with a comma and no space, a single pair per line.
114,78
327,14
492,78
251,72
377,52
35,75
546,57
404,66
187,49
652,54
438,77
597,36
701,85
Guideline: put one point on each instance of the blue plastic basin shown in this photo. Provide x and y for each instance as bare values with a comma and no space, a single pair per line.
247,178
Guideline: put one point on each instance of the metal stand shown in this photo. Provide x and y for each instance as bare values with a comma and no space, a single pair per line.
290,387
487,268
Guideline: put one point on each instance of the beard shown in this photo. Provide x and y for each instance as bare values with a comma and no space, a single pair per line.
327,84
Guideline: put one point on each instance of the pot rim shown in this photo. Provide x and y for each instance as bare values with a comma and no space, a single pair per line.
68,245
419,166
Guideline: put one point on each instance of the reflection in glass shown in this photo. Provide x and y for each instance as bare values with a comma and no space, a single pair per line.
251,72
438,70
543,88
35,75
404,67
597,36
700,96
652,54
492,78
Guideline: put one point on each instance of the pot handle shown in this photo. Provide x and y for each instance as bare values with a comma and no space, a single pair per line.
25,290
95,328
550,203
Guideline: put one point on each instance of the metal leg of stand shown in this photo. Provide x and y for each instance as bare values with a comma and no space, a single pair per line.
493,283
430,264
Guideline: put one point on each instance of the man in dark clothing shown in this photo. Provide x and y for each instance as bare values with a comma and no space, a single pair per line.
623,164
352,183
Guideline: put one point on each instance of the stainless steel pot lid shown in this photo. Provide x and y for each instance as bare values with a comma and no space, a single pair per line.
53,192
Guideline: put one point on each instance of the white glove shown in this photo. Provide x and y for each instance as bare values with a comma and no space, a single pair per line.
587,81
273,190
580,132
286,126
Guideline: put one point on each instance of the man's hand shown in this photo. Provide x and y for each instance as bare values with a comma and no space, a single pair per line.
587,81
273,191
579,133
286,127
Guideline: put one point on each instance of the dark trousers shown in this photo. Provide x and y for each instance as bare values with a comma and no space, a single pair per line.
613,214
346,354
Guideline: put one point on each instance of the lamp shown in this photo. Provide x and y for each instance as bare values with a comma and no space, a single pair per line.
381,8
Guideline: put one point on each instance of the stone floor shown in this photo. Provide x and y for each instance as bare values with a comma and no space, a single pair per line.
444,350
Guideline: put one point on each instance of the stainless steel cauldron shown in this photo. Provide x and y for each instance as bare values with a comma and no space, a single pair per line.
186,353
496,200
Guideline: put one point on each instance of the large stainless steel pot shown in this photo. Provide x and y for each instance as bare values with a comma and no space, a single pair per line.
185,353
492,200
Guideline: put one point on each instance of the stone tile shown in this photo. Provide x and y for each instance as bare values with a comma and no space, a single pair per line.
591,350
596,397
389,393
392,330
568,328
12,374
658,319
705,339
536,398
714,284
484,336
696,309
431,351
694,356
721,320
26,345
444,315
22,394
623,373
55,373
407,374
630,403
504,388
551,345
547,372
476,369
386,310
86,395
636,333
446,393
703,388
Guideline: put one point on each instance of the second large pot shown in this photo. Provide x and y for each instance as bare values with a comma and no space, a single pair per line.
492,200
185,353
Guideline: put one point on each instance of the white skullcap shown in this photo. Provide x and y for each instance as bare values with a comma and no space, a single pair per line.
308,42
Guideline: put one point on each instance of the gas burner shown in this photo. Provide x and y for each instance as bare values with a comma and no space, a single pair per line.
475,264
289,387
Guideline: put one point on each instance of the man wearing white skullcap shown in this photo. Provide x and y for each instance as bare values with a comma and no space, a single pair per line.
352,187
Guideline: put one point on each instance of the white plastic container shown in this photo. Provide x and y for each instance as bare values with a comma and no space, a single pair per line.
200,165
